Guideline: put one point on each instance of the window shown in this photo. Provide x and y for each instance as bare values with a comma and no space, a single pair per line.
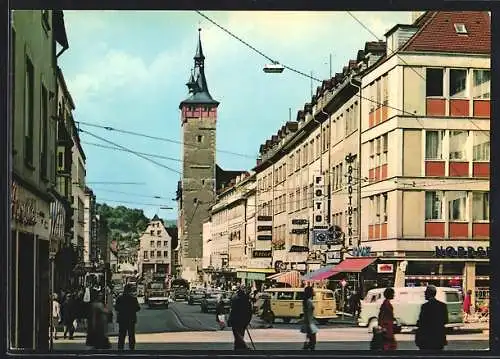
165,254
481,84
152,233
377,209
165,243
158,243
152,254
385,89
158,233
44,132
13,84
433,205
434,145
199,138
385,141
158,254
460,29
60,160
458,81
458,145
29,112
457,205
481,146
480,206
285,295
145,255
434,82
384,207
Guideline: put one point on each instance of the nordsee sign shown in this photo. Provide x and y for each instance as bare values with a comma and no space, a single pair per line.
462,252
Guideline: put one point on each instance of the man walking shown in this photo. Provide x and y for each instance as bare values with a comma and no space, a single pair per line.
240,317
431,331
127,307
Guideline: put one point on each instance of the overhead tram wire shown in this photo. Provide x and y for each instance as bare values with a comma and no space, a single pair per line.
109,128
130,151
256,50
411,68
104,200
118,183
142,153
132,194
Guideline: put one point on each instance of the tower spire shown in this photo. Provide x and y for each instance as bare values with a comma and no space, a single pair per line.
199,58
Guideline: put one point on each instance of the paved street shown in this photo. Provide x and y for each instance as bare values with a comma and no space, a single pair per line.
184,327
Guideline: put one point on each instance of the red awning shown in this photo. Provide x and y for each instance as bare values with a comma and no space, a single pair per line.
352,265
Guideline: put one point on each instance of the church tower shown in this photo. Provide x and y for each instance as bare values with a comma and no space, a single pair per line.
196,192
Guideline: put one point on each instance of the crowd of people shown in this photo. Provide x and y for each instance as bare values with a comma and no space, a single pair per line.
87,308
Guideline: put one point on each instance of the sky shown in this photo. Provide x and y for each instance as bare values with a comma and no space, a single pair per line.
128,70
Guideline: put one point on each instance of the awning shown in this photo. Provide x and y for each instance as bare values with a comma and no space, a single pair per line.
352,265
319,274
290,277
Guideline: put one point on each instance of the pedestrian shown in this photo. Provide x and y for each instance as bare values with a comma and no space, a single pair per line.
127,307
97,332
240,317
309,327
355,304
386,321
431,325
56,315
267,315
69,311
220,313
467,305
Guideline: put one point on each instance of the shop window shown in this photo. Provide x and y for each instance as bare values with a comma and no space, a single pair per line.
458,81
481,84
481,206
457,210
434,145
458,145
481,146
434,82
433,205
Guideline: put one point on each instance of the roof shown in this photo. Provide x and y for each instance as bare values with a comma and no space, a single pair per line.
437,33
199,89
223,178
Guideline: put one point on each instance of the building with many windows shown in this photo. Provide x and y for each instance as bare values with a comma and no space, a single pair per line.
154,255
35,37
394,150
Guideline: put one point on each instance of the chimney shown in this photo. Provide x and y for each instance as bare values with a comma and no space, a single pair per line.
415,15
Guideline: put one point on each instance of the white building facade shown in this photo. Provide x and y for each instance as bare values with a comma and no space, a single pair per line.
154,255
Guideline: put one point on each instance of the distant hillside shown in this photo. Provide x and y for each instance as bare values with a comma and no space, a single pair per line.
124,224
170,222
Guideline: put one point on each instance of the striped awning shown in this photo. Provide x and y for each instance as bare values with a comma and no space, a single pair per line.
290,277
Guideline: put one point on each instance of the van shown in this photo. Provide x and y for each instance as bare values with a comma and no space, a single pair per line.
286,304
407,302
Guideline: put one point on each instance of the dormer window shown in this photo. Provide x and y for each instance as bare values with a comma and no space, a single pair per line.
460,29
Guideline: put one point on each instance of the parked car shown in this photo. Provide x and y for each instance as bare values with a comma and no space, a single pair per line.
196,295
407,303
156,293
209,302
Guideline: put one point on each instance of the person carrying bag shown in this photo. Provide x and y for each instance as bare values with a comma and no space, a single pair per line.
383,335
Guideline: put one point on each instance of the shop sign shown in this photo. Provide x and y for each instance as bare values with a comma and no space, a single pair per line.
299,266
262,254
333,257
23,211
361,252
349,159
385,268
265,237
462,252
299,222
319,201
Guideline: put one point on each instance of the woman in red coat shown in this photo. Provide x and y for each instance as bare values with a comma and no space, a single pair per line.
386,321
